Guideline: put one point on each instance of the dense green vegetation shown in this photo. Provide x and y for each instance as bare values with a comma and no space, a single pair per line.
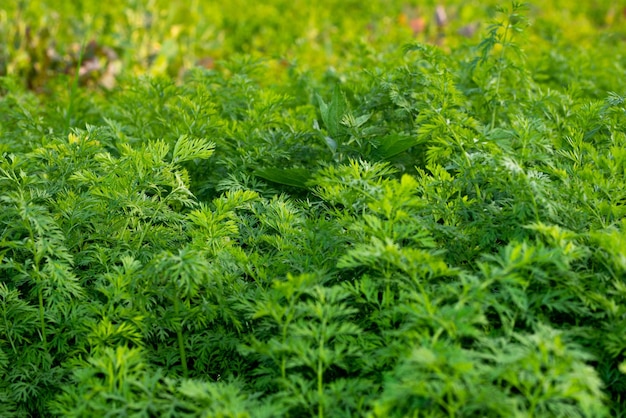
335,209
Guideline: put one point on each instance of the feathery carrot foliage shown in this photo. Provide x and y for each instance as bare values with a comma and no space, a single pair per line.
354,216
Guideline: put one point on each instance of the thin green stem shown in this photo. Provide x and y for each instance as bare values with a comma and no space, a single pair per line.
42,318
320,379
37,257
465,155
181,340
6,322
147,225
499,76
283,362
74,87
157,212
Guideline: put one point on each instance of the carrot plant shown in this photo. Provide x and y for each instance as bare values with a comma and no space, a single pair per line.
385,215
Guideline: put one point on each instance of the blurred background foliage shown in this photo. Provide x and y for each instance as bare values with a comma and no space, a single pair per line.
41,39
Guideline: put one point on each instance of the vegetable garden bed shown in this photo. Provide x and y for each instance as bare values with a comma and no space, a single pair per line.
343,209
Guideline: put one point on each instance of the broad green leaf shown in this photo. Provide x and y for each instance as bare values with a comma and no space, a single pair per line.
392,145
333,112
296,177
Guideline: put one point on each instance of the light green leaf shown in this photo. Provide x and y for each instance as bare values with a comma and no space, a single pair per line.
187,149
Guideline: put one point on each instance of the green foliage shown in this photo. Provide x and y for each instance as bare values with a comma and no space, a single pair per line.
364,212
499,380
